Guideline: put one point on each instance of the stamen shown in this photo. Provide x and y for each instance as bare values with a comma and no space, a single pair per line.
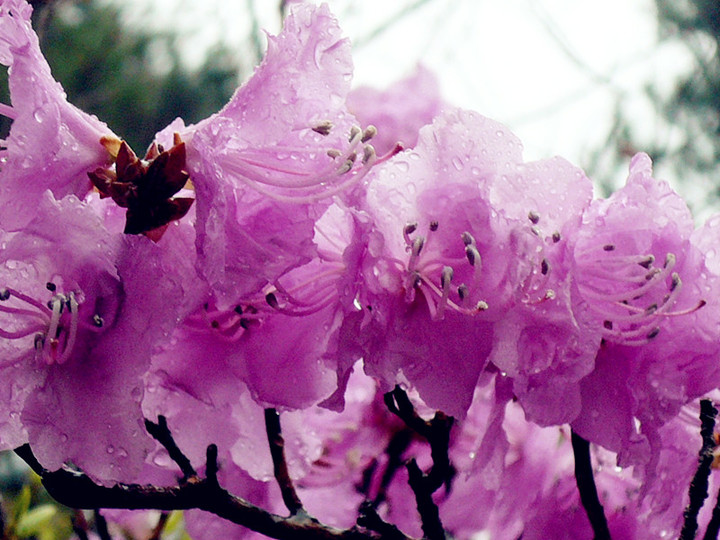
334,153
468,239
354,132
50,286
368,134
545,267
408,230
368,154
463,291
70,342
534,217
473,255
609,247
4,294
323,128
555,237
434,226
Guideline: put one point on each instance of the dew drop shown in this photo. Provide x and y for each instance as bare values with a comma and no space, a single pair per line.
402,166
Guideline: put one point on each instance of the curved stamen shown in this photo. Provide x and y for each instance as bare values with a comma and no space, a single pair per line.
72,306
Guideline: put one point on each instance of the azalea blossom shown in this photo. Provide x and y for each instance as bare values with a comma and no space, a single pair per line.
52,144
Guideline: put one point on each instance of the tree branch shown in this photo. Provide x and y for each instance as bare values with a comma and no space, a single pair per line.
280,469
587,489
698,491
75,489
437,432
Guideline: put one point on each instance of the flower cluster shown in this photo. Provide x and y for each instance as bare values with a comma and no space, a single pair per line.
271,257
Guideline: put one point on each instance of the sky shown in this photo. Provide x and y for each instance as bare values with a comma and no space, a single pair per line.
554,71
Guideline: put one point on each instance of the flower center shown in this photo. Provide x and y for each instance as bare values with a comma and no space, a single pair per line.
297,299
631,292
423,268
54,324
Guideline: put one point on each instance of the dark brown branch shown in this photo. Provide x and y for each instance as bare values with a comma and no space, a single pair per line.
586,487
437,432
280,469
371,520
76,490
101,526
161,434
698,491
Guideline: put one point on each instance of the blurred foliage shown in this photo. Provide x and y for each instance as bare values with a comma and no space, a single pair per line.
130,78
686,139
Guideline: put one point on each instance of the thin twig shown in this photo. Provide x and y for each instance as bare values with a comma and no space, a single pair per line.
101,526
280,468
698,491
161,434
437,432
586,487
158,529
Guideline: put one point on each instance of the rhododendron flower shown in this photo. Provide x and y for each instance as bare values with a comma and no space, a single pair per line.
80,314
641,274
444,261
540,342
265,166
52,144
399,111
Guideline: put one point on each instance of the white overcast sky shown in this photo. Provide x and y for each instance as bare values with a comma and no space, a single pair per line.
553,70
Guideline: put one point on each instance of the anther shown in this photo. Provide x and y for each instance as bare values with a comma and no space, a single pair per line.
647,261
669,260
446,278
368,134
534,217
609,247
434,226
417,245
472,254
468,239
675,281
346,166
463,291
608,325
39,342
334,153
323,128
368,154
410,228
535,230
98,321
354,132
545,267
4,295
271,299
50,286
654,332
555,237
482,305
238,309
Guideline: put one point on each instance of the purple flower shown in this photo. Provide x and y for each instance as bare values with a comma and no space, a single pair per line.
443,261
540,342
81,311
400,111
642,277
52,144
265,166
